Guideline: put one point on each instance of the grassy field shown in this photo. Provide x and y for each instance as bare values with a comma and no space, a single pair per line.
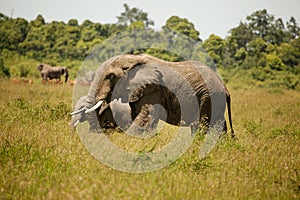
41,158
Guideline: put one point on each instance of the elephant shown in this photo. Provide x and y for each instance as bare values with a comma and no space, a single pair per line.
50,72
180,93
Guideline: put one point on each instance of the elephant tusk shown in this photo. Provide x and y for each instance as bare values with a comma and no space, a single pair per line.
76,123
77,111
94,107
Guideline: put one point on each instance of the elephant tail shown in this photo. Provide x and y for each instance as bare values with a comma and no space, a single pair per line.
228,99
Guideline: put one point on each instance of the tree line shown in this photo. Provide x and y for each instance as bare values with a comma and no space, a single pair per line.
263,49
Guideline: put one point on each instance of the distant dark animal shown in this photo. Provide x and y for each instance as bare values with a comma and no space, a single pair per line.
49,72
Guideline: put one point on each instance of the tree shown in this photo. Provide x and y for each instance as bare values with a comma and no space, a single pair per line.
256,47
33,45
183,26
131,15
256,53
136,25
38,22
289,54
272,30
13,32
260,22
293,28
3,17
214,46
274,62
240,36
73,22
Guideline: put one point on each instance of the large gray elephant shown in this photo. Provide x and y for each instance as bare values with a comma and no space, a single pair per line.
180,93
50,72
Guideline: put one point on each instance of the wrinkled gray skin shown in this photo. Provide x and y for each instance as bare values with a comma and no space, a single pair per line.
145,82
50,72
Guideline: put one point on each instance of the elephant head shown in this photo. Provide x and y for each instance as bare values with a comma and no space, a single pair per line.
78,115
104,80
107,81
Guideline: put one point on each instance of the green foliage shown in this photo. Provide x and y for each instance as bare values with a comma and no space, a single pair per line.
136,25
38,22
274,62
45,112
12,32
132,15
24,71
183,26
214,46
265,47
263,50
4,71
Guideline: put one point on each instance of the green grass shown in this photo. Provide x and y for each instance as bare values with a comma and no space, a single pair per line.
41,158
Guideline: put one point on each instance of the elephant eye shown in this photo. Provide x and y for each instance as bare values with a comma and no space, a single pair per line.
110,76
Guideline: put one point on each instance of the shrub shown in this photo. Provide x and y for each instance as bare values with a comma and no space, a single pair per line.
24,71
274,62
4,71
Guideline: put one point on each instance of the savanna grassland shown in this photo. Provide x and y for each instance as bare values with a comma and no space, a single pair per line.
42,158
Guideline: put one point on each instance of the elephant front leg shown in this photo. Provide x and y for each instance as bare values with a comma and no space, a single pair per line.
145,122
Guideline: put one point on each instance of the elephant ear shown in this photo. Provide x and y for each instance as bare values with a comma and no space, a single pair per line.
143,80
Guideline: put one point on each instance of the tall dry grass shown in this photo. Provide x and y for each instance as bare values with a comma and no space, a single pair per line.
41,158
